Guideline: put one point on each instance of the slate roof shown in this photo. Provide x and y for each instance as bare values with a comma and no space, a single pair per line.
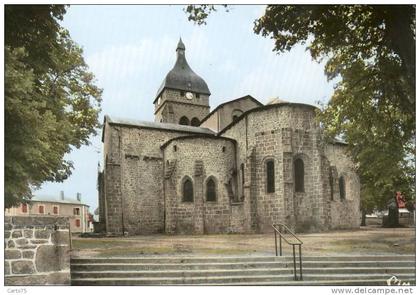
182,77
155,125
56,199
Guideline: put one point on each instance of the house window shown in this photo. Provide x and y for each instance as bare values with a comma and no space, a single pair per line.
55,210
342,186
299,175
211,190
182,93
41,209
270,176
77,222
187,191
195,122
24,208
197,95
76,211
184,121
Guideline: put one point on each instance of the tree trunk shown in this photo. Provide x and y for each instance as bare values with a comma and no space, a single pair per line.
363,218
393,220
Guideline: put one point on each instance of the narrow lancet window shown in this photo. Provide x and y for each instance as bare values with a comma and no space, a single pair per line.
187,191
270,176
299,176
342,186
211,190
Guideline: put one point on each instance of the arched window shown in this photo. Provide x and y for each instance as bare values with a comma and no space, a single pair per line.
299,175
195,122
184,121
187,191
211,190
342,186
270,176
236,114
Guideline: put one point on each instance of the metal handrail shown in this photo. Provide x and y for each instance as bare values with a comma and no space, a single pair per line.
299,243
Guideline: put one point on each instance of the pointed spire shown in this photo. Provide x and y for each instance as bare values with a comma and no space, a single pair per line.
182,77
181,45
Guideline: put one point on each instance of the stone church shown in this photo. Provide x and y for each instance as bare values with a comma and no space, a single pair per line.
236,169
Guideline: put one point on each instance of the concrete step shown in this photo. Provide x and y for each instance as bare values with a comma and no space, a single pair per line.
180,273
239,272
261,279
356,282
336,264
169,259
175,266
236,265
358,257
245,270
206,259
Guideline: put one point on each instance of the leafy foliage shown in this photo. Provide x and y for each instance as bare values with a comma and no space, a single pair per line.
371,50
51,102
199,13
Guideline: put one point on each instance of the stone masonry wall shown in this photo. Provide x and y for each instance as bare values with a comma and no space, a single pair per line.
189,111
199,159
134,182
225,113
142,183
111,194
223,116
212,122
173,106
175,95
345,213
37,251
284,133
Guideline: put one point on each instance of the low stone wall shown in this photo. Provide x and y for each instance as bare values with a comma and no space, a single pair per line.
37,251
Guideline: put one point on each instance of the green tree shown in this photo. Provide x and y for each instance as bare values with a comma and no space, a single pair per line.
51,102
370,49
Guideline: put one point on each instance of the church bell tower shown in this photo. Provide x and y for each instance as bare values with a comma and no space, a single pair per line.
183,97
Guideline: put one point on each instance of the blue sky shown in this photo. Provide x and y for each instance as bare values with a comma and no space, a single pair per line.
130,49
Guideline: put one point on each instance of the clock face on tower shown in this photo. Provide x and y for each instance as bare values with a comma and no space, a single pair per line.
189,95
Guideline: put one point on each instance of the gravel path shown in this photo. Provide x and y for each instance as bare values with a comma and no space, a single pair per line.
363,241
